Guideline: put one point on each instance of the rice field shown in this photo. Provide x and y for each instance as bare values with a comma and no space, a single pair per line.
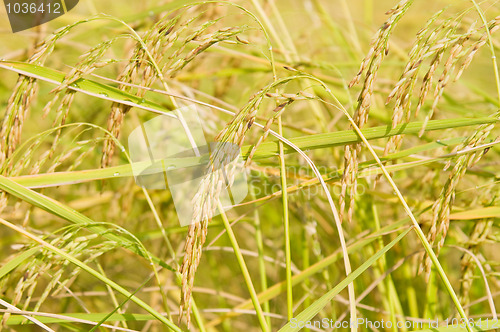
251,165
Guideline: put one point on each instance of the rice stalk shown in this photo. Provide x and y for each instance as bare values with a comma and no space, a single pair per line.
441,208
207,196
24,93
370,66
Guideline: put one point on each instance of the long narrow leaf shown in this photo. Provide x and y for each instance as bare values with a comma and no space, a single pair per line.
61,210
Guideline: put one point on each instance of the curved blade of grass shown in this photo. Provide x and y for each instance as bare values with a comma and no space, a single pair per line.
54,207
350,136
88,87
94,273
18,260
319,304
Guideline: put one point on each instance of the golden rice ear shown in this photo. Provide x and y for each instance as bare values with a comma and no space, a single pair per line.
369,67
441,208
18,107
207,198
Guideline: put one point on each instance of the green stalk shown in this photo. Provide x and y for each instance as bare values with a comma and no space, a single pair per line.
411,294
244,270
260,250
197,316
169,245
431,297
286,222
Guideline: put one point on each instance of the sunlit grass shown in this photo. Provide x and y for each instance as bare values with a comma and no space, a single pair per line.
370,156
